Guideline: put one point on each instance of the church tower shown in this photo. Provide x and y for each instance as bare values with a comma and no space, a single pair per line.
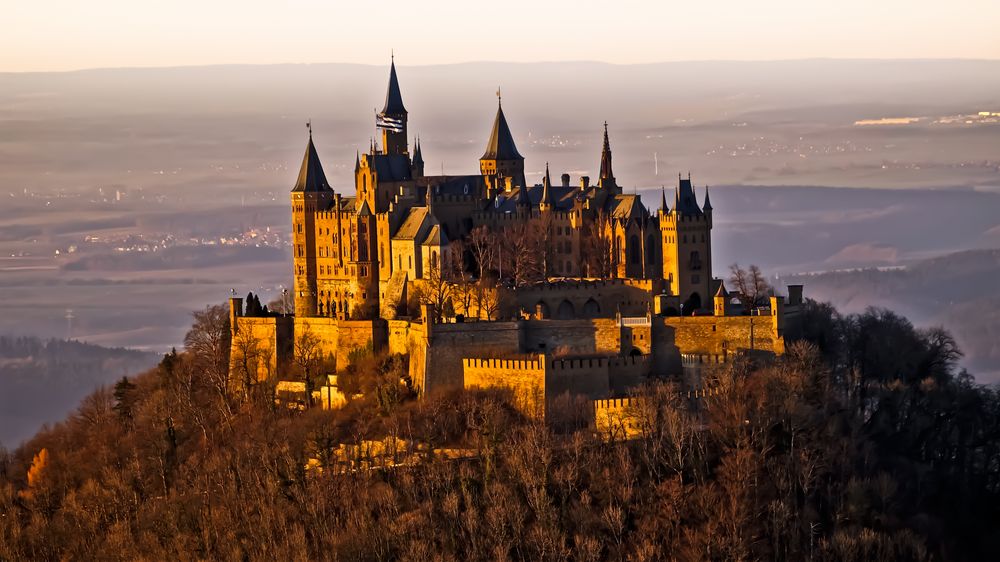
392,119
501,158
311,193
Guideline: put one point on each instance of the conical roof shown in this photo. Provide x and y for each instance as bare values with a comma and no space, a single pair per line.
393,99
708,203
722,292
546,188
311,176
501,143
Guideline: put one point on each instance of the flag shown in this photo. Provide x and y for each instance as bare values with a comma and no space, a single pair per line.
391,124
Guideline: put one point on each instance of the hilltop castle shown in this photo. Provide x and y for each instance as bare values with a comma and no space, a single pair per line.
484,280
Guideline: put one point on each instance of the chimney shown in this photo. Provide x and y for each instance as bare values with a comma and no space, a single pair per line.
565,180
584,183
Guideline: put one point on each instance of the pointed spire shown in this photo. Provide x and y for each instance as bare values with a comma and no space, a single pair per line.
663,200
501,144
357,160
418,157
708,203
393,98
311,177
546,201
607,177
522,197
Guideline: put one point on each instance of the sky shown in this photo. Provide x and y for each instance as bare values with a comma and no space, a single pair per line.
56,35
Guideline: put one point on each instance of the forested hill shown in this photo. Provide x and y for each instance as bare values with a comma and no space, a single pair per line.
959,291
865,442
44,380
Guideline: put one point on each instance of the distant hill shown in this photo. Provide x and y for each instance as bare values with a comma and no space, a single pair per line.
41,381
959,291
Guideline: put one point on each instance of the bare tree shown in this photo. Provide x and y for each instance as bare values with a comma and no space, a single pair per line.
751,284
209,342
307,356
596,246
482,244
520,254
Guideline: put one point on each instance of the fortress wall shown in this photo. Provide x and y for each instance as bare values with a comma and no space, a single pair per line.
714,335
631,297
524,377
596,336
261,345
615,419
577,376
338,338
449,343
627,372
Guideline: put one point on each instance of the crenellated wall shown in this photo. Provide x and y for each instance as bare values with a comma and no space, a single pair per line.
537,381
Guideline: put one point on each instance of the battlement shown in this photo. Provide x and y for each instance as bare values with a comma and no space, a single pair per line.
572,364
535,364
613,404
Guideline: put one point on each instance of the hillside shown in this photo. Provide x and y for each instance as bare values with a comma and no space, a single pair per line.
958,290
41,381
862,443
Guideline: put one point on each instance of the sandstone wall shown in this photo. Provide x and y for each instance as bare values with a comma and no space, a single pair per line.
524,377
600,336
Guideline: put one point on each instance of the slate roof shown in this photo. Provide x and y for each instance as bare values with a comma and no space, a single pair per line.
562,198
625,206
411,225
436,237
390,167
393,99
686,202
311,177
501,143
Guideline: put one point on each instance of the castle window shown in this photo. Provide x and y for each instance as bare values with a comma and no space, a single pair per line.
635,254
695,263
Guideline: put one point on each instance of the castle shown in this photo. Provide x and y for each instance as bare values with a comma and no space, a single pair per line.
483,280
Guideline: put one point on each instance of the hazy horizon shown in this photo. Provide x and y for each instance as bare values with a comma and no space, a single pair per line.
66,35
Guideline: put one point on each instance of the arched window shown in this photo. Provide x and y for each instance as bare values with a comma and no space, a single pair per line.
591,309
565,311
650,249
434,260
635,252
695,261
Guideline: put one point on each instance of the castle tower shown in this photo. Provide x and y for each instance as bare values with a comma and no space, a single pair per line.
364,302
392,119
607,177
686,234
501,156
311,193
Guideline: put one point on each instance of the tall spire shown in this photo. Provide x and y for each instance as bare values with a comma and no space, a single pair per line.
501,144
546,201
393,99
311,177
607,177
708,203
663,200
